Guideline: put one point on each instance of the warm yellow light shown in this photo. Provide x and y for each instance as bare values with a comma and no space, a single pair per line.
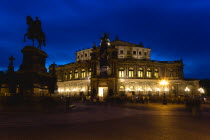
166,89
186,89
163,82
127,89
157,89
101,92
140,89
74,89
149,89
201,90
67,90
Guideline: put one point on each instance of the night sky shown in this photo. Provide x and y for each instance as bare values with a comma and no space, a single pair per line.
174,30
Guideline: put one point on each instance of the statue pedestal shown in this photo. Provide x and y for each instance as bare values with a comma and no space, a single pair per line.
32,75
33,60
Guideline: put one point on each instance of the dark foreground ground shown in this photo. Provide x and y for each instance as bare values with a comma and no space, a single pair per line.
130,122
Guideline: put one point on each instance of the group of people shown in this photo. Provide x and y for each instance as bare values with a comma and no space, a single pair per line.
193,105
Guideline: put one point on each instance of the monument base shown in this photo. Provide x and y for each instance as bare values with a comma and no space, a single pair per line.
32,76
33,60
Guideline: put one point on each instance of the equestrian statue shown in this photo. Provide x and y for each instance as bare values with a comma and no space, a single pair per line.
35,32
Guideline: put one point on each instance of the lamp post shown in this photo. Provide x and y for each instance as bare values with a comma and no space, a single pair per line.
140,90
187,90
128,91
157,91
67,92
201,90
164,83
74,92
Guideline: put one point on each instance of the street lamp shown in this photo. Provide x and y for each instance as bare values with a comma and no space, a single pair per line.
149,91
201,90
164,83
67,92
128,89
74,92
140,90
157,91
187,90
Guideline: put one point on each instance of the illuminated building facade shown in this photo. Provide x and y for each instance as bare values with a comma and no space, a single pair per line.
118,67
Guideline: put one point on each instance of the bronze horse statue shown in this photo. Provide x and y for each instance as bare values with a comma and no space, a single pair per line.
35,32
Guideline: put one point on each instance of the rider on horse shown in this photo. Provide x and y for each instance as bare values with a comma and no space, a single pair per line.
35,31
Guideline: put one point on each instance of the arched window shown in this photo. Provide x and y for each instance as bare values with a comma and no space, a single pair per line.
76,74
140,88
130,72
66,76
132,88
149,73
156,73
122,88
170,72
89,72
140,72
83,73
70,75
121,72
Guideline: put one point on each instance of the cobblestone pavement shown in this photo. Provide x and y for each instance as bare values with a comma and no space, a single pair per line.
152,121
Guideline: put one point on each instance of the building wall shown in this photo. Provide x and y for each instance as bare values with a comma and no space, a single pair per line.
83,55
151,86
128,73
133,52
74,87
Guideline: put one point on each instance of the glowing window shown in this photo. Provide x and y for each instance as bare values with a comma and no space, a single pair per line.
89,72
76,74
140,72
70,75
149,73
121,72
83,73
156,73
130,72
66,76
140,88
101,92
122,88
131,88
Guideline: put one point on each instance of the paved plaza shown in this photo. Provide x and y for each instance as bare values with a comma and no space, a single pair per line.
105,122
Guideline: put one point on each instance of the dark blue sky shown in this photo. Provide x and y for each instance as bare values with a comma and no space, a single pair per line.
174,30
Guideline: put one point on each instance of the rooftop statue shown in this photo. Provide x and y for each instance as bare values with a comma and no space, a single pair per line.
35,31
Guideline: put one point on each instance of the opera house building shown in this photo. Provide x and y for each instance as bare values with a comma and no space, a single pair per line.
122,68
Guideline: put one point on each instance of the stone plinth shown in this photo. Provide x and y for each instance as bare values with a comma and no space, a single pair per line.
33,60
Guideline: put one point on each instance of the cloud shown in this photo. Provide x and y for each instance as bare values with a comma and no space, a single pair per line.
172,29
